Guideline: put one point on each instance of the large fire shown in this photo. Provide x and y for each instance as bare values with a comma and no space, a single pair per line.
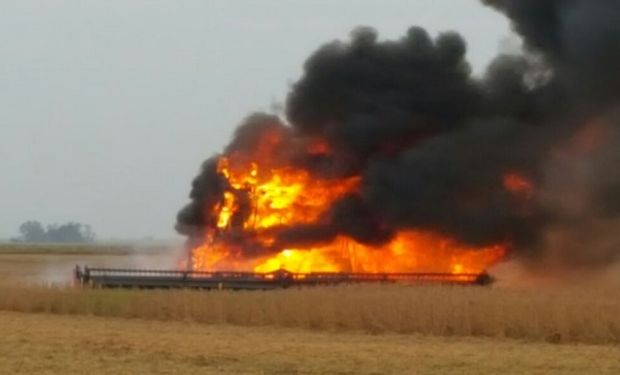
390,156
273,195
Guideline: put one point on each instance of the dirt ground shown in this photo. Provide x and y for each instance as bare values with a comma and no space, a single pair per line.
50,344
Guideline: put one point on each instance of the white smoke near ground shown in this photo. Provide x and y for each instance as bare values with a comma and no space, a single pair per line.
58,268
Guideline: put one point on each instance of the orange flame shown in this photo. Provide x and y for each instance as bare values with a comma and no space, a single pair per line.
517,184
285,195
407,252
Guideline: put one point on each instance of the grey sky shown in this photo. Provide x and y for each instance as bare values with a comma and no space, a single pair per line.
107,108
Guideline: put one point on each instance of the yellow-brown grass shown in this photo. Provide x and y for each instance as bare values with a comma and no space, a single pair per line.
552,315
48,344
590,314
64,249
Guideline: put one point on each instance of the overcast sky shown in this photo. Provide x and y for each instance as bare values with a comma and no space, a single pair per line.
107,108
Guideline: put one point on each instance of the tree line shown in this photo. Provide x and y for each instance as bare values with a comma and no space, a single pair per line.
34,231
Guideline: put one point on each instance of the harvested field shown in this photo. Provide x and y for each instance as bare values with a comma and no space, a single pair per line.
49,344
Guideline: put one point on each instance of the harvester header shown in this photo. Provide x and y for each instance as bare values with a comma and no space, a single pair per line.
142,278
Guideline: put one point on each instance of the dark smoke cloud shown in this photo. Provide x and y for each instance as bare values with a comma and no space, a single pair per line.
207,190
433,143
580,39
454,184
369,96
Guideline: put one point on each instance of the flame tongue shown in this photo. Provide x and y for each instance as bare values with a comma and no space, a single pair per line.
407,252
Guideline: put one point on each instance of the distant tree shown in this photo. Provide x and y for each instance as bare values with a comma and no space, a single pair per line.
33,231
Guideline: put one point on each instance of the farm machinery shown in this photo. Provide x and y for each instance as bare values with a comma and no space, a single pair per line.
167,279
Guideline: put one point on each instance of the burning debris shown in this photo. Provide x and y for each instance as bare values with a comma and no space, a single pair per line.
394,158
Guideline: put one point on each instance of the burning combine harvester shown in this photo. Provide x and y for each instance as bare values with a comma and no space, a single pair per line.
268,223
393,162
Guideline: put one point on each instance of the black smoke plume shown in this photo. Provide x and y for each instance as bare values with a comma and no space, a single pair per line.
433,144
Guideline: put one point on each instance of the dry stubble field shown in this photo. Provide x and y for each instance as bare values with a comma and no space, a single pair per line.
342,330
